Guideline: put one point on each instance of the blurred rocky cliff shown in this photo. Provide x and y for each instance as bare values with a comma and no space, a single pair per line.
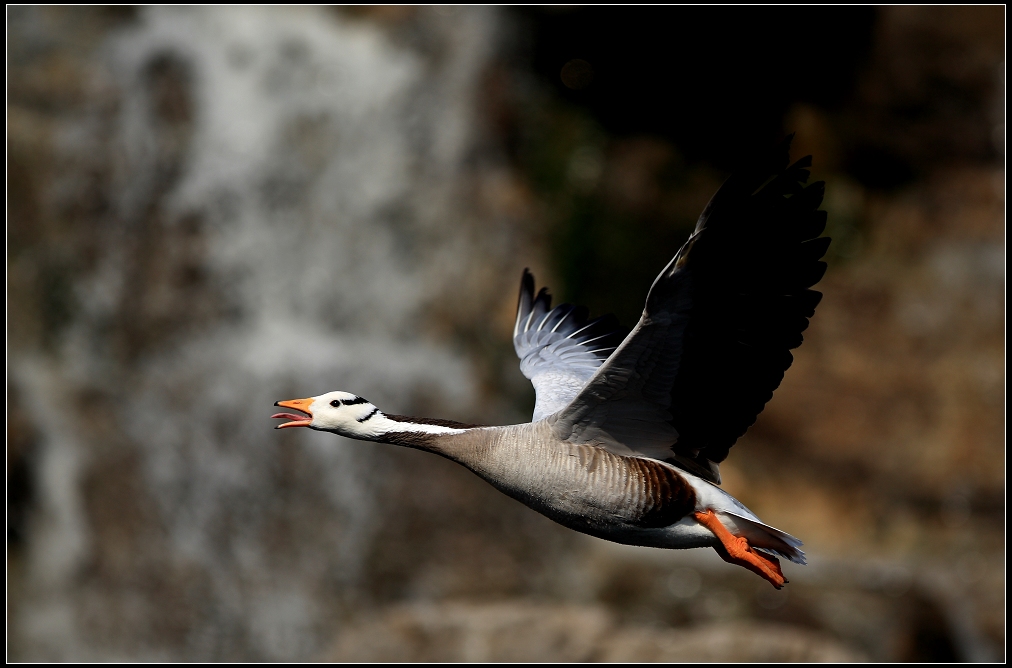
212,209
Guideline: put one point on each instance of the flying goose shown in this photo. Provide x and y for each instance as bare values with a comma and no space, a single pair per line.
629,429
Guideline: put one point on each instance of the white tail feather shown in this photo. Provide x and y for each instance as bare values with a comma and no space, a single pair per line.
767,538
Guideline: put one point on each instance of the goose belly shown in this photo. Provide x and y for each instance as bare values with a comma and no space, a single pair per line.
586,488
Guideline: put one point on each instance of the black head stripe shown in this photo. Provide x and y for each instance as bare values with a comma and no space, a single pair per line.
371,413
356,400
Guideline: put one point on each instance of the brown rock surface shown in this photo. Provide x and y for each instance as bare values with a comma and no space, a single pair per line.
527,632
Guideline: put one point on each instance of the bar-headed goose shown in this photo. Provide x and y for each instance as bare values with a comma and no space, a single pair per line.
628,430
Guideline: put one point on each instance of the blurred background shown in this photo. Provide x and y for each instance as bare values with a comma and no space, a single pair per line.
212,209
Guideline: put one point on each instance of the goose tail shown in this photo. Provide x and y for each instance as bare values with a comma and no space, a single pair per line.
766,538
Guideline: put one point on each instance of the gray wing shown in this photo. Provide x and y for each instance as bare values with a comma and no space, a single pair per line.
559,349
720,320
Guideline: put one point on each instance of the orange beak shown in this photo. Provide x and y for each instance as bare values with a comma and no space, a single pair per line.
301,405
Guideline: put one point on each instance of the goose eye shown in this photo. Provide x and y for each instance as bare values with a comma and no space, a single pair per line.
335,403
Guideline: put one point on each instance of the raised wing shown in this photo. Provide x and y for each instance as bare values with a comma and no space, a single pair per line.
559,349
720,320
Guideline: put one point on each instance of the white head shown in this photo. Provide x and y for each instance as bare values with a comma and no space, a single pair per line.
352,416
340,412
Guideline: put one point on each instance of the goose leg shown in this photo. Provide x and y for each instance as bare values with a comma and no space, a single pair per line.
736,550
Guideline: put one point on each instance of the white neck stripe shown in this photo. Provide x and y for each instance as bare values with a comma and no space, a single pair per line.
386,426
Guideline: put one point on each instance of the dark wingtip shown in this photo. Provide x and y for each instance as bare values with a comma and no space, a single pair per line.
526,292
782,154
277,403
803,163
527,283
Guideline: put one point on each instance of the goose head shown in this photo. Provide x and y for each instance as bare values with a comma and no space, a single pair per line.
338,412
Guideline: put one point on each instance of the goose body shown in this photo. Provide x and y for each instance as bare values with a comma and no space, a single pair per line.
629,428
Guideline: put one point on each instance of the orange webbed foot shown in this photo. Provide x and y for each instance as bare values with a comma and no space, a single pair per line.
736,550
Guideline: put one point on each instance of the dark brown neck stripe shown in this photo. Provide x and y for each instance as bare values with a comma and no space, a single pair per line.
433,421
409,439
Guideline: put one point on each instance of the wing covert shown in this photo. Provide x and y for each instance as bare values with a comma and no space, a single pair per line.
720,319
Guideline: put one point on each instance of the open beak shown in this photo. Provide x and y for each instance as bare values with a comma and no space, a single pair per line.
301,405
